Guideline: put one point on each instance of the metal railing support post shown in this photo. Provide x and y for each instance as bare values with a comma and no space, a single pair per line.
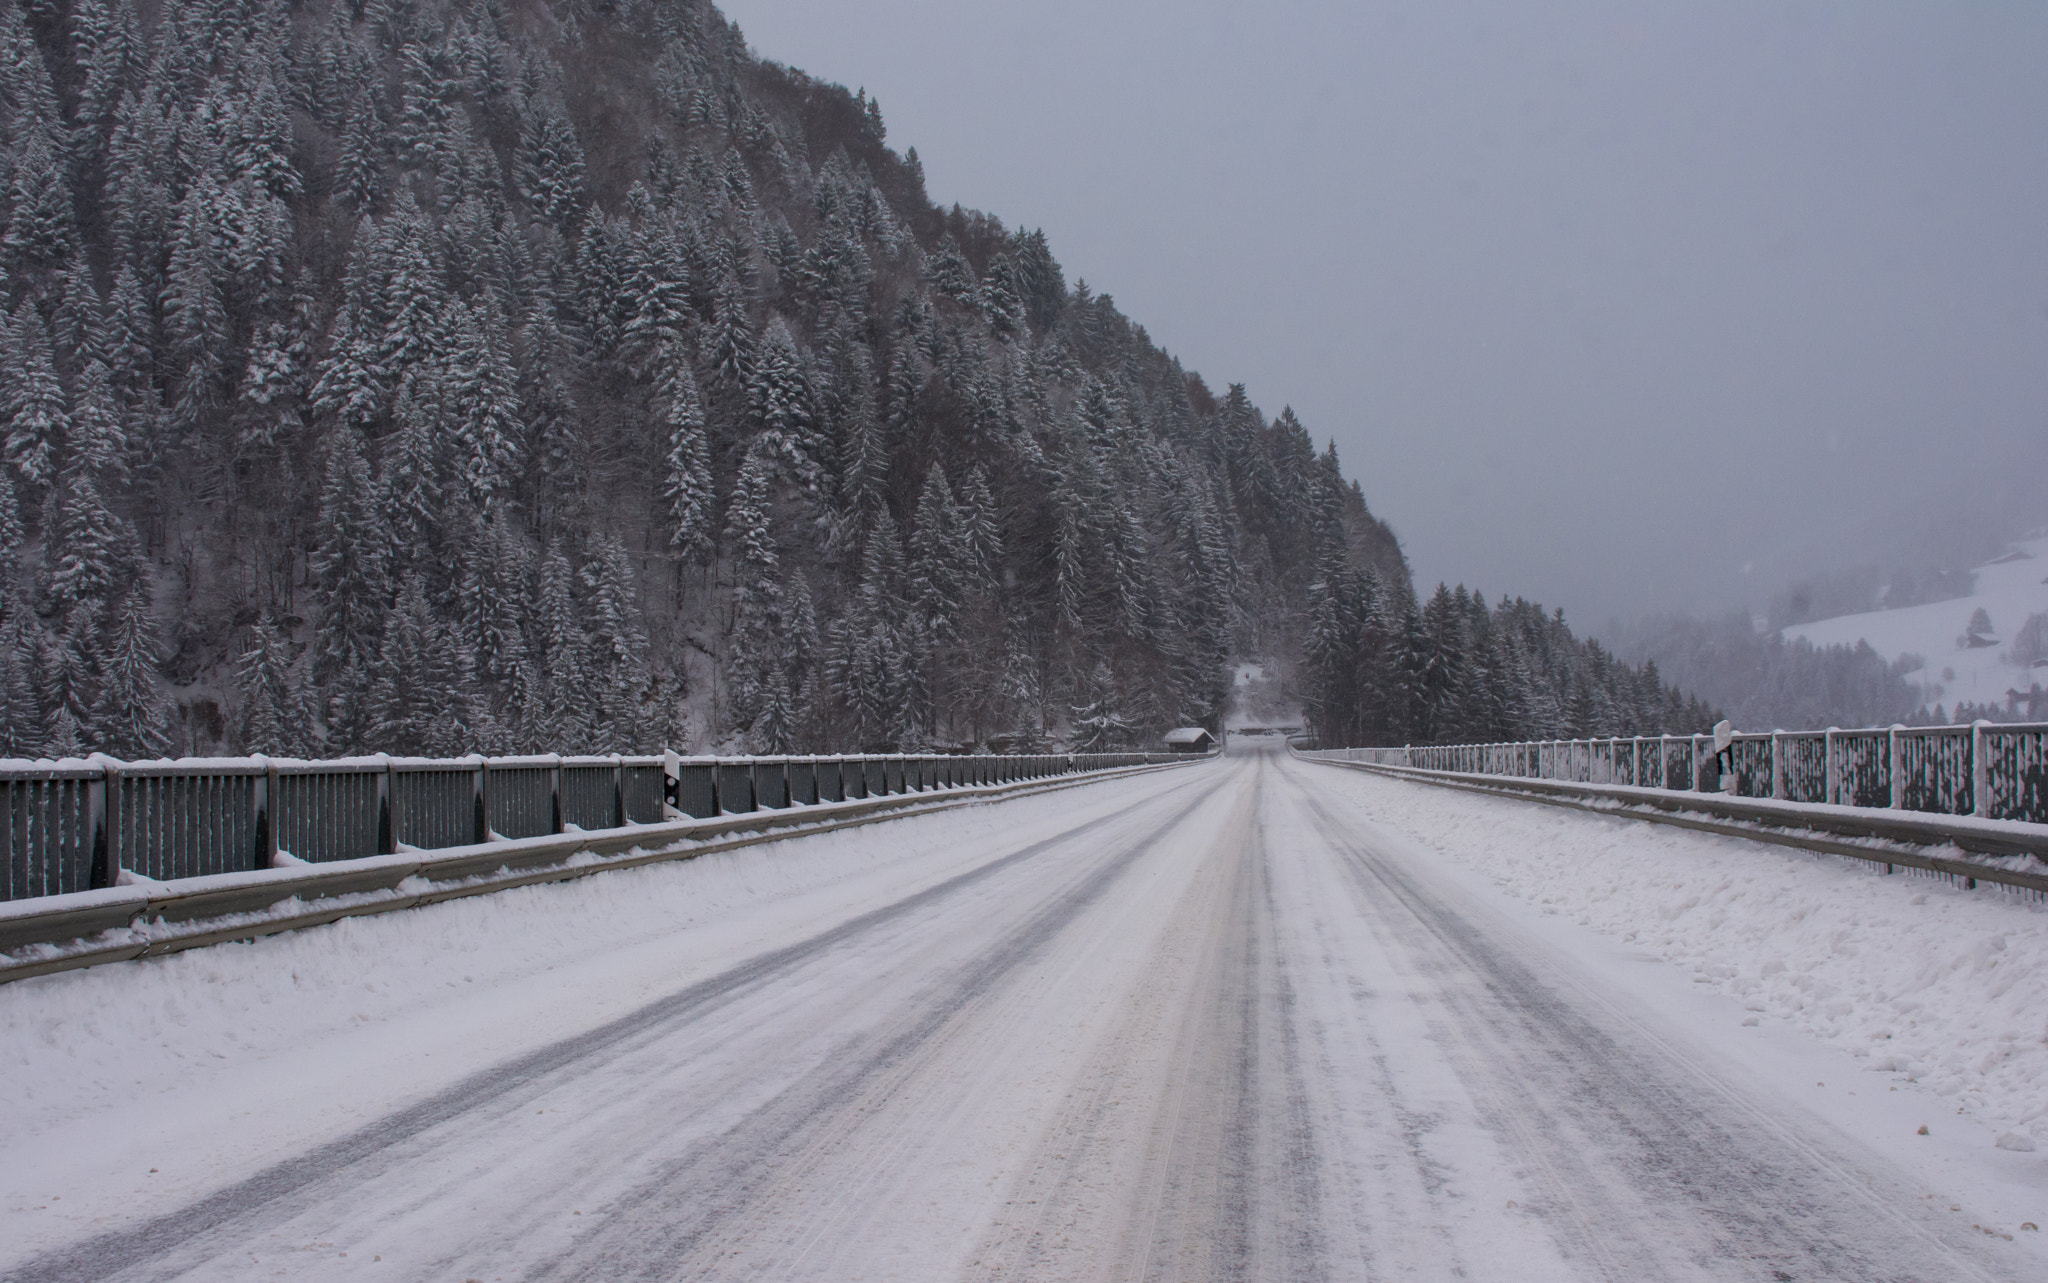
263,789
1898,765
619,791
387,842
481,814
1778,765
555,793
105,868
1831,768
1980,768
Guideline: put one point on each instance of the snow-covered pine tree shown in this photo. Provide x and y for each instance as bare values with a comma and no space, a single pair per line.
274,715
351,593
561,713
757,640
618,646
781,408
32,402
686,487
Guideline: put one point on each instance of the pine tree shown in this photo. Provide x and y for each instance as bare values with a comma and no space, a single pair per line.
560,717
132,718
350,563
21,721
757,587
485,396
728,340
618,645
32,403
1099,723
260,142
419,698
359,177
493,590
409,482
274,716
686,479
195,311
782,408
42,230
548,164
939,552
92,555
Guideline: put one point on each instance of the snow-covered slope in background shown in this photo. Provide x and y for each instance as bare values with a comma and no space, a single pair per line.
2008,589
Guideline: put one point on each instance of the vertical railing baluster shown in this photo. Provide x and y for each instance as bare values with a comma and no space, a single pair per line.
387,839
1980,768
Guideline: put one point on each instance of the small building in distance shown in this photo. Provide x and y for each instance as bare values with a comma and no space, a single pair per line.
1189,739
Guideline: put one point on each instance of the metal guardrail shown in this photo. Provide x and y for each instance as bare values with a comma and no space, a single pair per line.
1987,770
2011,855
76,825
59,933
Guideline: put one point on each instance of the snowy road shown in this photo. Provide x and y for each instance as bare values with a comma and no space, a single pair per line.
1213,1023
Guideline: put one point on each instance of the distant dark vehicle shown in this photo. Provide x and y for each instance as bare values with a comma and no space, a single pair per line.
1189,739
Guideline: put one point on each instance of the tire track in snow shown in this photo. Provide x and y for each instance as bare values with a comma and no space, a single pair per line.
1645,1175
1187,1148
170,1245
773,1196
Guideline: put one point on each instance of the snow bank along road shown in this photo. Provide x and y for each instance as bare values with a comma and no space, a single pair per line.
1228,1022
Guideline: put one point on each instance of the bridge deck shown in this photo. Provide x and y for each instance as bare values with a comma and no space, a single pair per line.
1229,1022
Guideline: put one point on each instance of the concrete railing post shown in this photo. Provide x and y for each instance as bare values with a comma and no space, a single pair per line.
1831,767
1898,765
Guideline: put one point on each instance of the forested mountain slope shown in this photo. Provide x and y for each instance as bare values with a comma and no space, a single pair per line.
451,375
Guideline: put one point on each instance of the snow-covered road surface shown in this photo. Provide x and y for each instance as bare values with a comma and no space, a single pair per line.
1219,1022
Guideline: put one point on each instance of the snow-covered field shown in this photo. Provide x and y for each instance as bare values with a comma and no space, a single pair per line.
1256,1018
2009,590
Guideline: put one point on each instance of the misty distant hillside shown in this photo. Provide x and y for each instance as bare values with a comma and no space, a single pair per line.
1870,649
446,376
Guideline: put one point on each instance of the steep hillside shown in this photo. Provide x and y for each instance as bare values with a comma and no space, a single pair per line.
451,375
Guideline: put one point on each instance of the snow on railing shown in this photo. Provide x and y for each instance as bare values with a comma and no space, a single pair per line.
1988,770
76,824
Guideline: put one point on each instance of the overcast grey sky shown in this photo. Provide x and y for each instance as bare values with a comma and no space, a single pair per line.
1602,303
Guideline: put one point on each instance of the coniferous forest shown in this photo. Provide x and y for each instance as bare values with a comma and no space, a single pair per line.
436,376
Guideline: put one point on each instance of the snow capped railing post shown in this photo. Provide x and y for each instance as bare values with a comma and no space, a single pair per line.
1980,768
99,846
1898,765
387,842
262,795
1778,765
1831,768
479,810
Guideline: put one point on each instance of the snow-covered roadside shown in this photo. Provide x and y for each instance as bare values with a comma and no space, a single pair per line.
1916,978
226,1057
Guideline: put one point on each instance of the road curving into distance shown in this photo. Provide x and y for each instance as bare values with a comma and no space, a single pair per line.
1205,1024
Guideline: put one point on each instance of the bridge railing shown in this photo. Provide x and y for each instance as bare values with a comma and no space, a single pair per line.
1989,770
75,824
